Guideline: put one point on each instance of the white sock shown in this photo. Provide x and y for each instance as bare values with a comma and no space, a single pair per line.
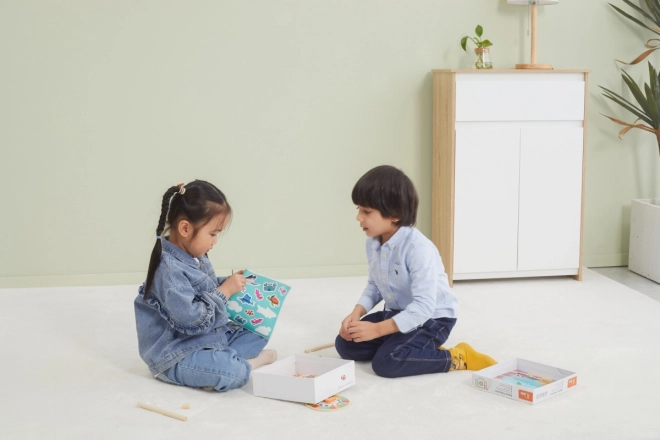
264,358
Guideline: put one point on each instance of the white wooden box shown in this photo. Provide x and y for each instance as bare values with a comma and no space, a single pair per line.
279,381
520,388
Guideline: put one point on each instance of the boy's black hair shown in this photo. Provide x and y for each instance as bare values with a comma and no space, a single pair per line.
390,191
198,202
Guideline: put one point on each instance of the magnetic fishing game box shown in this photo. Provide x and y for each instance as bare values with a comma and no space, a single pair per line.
523,380
306,379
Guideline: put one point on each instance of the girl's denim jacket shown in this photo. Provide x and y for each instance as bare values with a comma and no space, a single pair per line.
184,312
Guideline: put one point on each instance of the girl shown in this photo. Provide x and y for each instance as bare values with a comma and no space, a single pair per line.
184,332
406,272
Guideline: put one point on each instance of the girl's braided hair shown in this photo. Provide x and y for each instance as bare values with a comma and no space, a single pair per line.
198,202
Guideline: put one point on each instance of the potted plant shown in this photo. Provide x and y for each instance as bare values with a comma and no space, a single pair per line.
482,51
643,254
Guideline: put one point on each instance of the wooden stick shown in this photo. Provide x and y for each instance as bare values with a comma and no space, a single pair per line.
162,411
320,347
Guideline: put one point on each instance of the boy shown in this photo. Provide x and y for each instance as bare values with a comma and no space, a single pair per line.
406,272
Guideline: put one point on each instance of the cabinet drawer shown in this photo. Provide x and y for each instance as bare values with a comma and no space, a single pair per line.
519,100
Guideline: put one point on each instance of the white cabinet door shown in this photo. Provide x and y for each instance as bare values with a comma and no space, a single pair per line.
550,198
486,199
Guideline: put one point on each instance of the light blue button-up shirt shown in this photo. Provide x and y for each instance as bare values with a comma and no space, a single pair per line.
408,275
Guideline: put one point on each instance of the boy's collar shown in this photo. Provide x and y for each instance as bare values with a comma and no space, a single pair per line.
395,239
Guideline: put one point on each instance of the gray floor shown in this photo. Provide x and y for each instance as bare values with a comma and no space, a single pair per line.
630,279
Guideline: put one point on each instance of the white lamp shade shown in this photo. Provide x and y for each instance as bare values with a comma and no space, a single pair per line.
531,2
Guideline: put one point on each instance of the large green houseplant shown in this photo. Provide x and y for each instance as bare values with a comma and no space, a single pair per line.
647,109
643,256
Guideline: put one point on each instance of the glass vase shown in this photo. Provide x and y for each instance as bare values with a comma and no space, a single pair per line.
483,58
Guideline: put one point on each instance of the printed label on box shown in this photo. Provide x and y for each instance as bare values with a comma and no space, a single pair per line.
558,387
504,389
525,395
481,383
572,381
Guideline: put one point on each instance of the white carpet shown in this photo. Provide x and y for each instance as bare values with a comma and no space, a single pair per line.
70,368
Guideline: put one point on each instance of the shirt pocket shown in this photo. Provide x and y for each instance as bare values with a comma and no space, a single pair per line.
399,276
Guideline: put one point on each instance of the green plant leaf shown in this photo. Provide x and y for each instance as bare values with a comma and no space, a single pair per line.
464,43
653,77
654,8
651,104
655,85
486,43
479,30
639,97
630,17
636,91
623,102
640,10
653,93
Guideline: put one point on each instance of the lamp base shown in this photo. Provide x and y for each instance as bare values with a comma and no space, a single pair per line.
534,66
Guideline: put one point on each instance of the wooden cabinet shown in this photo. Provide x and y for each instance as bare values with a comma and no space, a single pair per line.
508,172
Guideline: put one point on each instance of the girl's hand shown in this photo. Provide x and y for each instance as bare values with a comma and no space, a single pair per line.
233,284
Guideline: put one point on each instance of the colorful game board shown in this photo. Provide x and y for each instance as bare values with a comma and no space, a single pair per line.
332,403
524,379
258,305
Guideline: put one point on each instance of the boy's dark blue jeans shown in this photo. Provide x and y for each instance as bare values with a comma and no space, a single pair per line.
402,354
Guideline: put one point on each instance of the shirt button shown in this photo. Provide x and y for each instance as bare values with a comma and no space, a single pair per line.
201,266
384,255
384,277
389,296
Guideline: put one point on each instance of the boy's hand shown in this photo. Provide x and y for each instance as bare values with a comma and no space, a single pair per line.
343,330
363,331
355,316
233,284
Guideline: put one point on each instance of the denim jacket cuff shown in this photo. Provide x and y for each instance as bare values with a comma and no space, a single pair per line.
221,295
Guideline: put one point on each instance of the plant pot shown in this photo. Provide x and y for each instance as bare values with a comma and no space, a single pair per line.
644,253
483,58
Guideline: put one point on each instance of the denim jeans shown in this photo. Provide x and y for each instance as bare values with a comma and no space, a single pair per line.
402,354
223,370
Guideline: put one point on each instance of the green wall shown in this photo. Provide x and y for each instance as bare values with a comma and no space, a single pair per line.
282,104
